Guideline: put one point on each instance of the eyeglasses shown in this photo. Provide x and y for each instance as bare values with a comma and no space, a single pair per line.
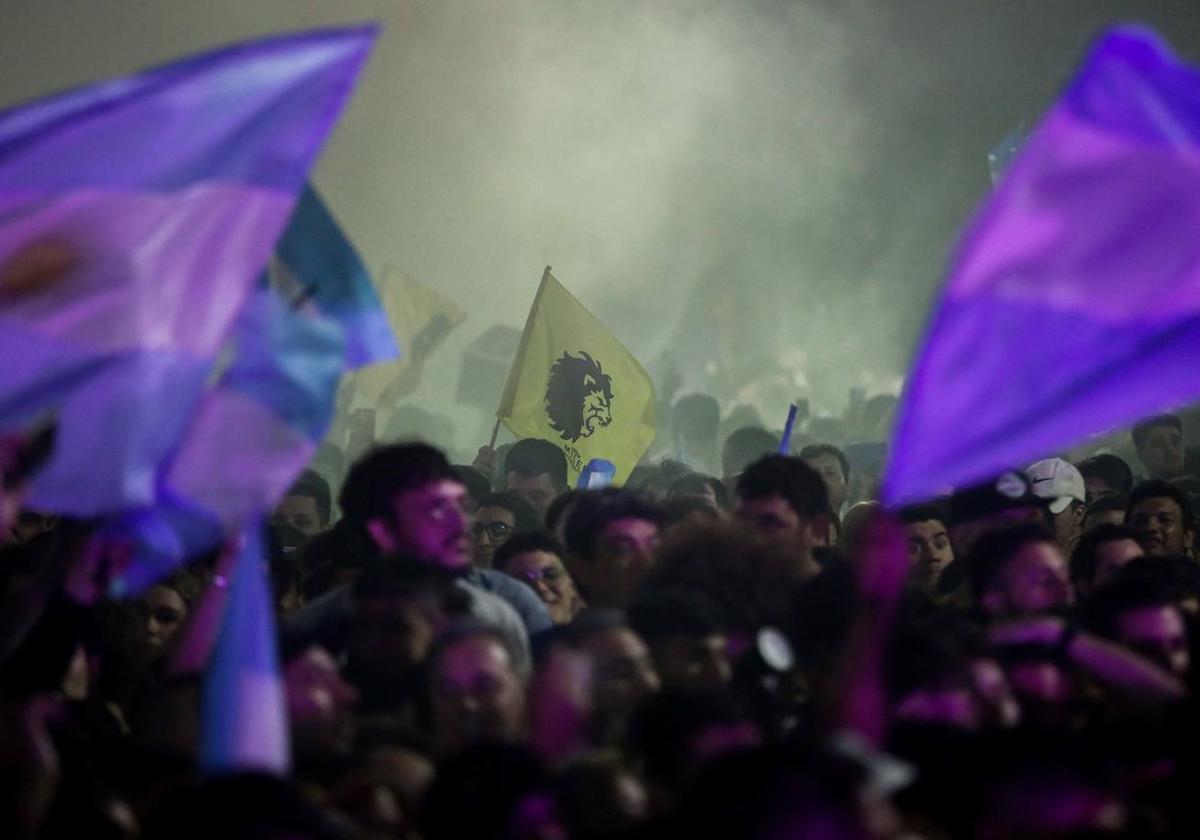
495,530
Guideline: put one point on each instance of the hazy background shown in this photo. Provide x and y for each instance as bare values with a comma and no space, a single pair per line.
776,179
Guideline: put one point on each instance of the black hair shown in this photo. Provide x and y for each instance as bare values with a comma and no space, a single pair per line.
924,513
790,478
464,629
524,543
1125,592
596,509
533,456
696,417
1110,469
658,615
1107,504
590,622
387,471
1084,558
1141,431
344,546
403,577
688,508
1179,574
744,446
525,518
477,483
314,486
994,549
1155,488
694,484
816,450
560,507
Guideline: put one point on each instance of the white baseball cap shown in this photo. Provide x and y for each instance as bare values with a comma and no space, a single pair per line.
1058,481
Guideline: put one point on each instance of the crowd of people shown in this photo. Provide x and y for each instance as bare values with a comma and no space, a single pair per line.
734,643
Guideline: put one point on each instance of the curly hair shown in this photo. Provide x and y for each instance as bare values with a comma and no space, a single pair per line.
572,378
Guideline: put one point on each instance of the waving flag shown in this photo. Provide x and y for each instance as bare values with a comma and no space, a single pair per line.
573,384
244,710
135,216
1073,302
316,262
421,319
259,425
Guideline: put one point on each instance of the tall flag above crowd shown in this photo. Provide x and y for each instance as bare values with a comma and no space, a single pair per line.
1072,304
574,384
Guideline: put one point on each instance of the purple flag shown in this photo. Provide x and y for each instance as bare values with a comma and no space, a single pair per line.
1073,302
135,216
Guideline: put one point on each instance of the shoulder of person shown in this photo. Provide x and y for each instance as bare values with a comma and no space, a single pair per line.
520,595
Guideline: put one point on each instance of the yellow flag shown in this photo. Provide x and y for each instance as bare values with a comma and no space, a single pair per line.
573,384
421,320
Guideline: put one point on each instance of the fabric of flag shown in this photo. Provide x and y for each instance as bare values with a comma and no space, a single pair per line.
135,216
572,383
316,262
421,318
244,709
260,423
1073,302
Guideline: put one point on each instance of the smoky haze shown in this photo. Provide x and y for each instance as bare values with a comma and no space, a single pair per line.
764,180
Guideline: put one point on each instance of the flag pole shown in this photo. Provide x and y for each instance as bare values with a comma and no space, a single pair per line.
495,431
785,440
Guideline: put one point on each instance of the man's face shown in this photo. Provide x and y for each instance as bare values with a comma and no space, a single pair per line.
476,694
774,518
164,613
830,469
29,524
929,549
430,522
1034,580
624,554
623,670
694,663
1161,524
1159,634
538,490
491,529
1162,452
1068,525
545,572
1111,556
301,513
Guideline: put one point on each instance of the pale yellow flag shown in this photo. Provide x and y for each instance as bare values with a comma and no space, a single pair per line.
573,384
421,319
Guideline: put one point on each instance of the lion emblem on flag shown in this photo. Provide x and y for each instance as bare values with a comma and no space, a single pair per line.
579,396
